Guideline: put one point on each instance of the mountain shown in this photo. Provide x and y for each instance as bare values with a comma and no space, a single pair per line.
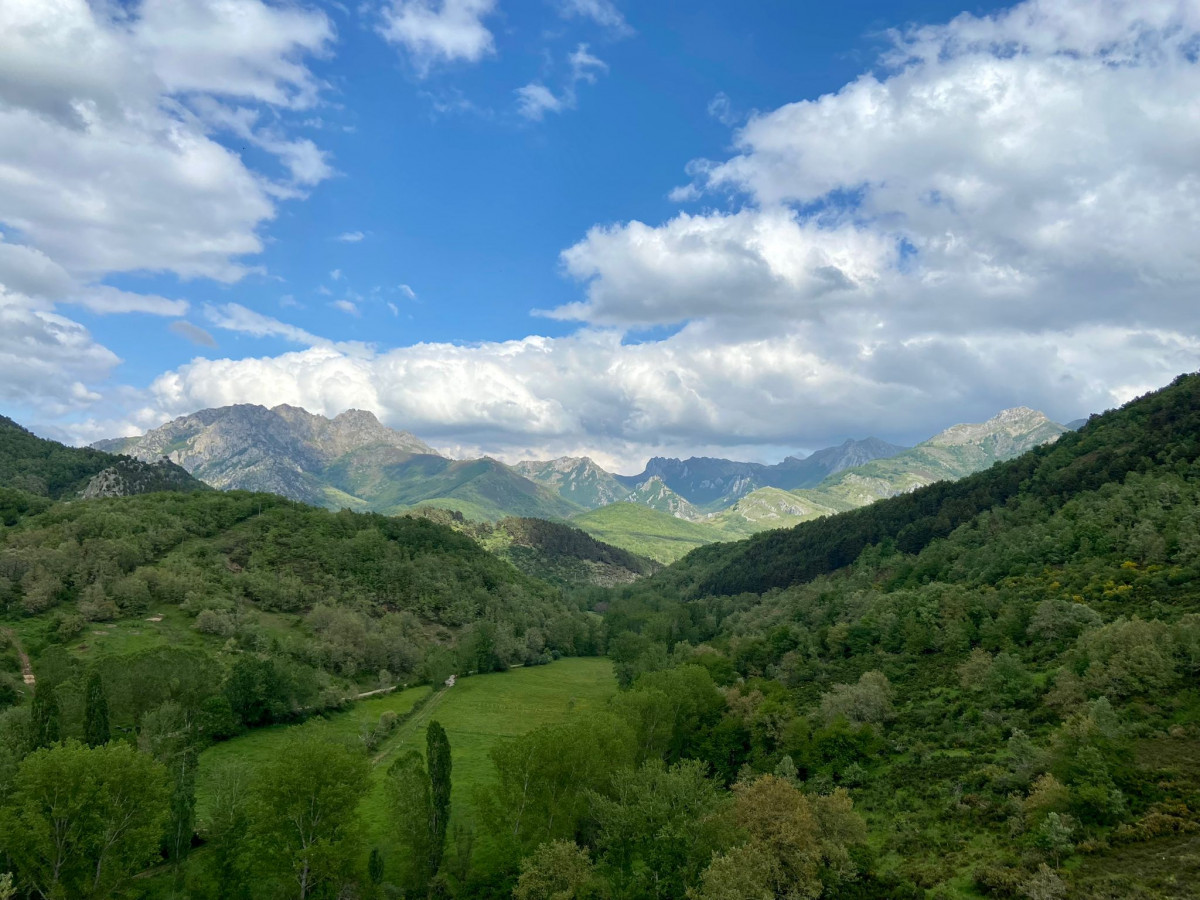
646,531
808,471
349,461
45,468
714,484
954,453
655,494
576,479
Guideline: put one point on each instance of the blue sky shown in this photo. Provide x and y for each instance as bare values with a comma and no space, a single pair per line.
568,226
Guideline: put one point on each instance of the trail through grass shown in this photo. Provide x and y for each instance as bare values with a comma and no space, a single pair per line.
476,713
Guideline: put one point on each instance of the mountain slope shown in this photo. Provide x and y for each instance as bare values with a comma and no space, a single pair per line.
576,479
645,531
1153,430
45,468
350,461
954,453
717,483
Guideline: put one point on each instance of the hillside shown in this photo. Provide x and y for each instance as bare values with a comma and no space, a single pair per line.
552,551
645,531
33,465
999,672
350,461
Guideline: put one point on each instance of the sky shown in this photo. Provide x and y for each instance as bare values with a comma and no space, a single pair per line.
534,228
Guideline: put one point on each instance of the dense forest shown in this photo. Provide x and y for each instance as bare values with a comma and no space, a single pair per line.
985,688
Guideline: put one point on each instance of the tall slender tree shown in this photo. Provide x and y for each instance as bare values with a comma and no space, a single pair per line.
437,758
43,716
95,727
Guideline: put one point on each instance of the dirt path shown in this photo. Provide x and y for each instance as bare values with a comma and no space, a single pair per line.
409,728
26,666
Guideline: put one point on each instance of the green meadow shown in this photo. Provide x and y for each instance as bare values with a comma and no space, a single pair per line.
476,713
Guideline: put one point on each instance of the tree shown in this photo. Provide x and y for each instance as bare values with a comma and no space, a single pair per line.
409,804
304,812
81,820
658,827
437,755
95,726
796,843
225,862
867,702
43,716
557,870
375,867
168,736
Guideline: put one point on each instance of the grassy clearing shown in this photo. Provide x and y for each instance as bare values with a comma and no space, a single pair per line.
646,531
476,713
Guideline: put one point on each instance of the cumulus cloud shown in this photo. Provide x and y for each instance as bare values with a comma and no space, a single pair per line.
439,31
593,393
108,117
350,237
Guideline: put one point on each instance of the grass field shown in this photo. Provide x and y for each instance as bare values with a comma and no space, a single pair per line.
646,531
476,713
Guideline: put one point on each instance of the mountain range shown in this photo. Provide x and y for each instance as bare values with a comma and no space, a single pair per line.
353,461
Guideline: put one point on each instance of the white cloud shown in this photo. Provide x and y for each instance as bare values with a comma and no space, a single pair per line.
346,306
720,107
439,31
603,12
235,317
110,165
534,100
408,292
336,274
350,237
107,300
698,389
47,360
585,66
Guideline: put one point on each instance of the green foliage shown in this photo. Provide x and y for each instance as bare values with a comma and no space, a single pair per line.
95,727
411,818
658,827
556,870
645,531
437,756
303,825
80,821
43,468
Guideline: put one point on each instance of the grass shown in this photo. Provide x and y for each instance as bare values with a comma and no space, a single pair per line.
646,531
477,713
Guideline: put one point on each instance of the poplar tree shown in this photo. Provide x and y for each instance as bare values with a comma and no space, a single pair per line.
437,757
96,732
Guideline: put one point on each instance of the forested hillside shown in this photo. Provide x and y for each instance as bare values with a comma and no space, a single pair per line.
1001,672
